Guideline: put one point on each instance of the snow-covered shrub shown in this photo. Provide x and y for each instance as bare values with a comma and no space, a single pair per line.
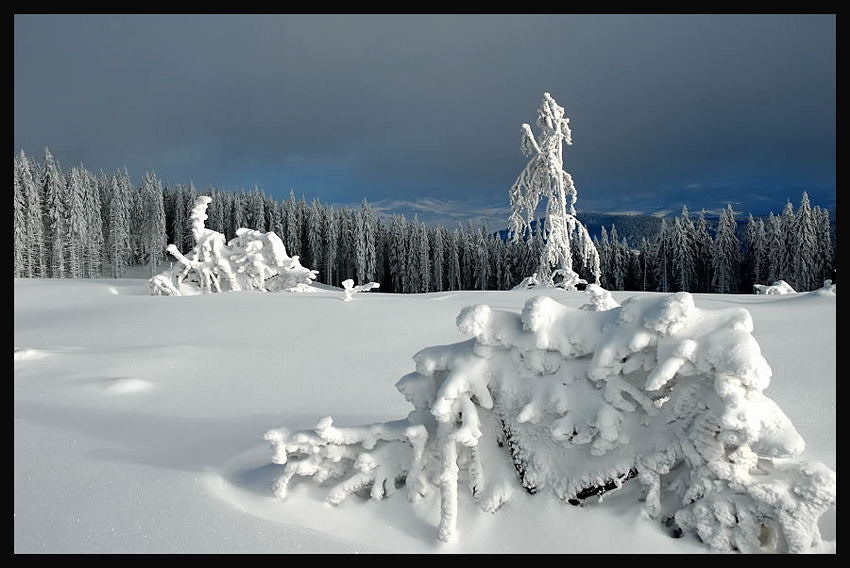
600,299
574,403
828,289
253,260
778,287
350,289
528,283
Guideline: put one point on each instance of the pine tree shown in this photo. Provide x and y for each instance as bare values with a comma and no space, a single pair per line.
755,251
437,244
397,253
118,235
56,217
424,263
681,251
255,214
314,235
481,264
825,247
617,266
805,248
775,246
153,235
786,253
94,240
663,275
726,254
293,225
330,238
35,234
19,220
703,247
453,278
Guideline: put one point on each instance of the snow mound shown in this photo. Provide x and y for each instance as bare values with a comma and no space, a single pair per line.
827,290
574,403
350,289
26,354
253,260
778,287
126,386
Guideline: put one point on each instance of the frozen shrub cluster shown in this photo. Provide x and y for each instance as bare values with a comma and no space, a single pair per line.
252,261
575,402
350,289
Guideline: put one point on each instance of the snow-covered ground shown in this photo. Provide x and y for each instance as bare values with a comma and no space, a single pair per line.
139,420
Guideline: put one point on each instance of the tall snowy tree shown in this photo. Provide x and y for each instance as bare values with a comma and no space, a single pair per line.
75,238
293,224
663,268
34,219
397,252
727,254
786,252
544,177
56,216
755,251
805,249
314,227
330,239
825,247
438,259
703,247
424,252
93,256
19,221
153,225
118,233
481,264
453,277
681,251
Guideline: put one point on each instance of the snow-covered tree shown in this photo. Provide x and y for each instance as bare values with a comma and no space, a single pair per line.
572,403
424,260
755,253
34,250
703,247
153,234
330,238
314,228
727,254
19,221
544,177
663,265
93,254
76,229
805,248
825,248
55,215
252,260
681,252
438,246
453,276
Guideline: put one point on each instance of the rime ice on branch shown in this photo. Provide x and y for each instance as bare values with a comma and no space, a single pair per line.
252,261
573,403
544,177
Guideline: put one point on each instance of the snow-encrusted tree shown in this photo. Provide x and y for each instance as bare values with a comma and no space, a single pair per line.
93,254
153,234
573,403
330,238
453,277
437,246
825,248
77,228
118,234
544,177
755,252
55,215
34,220
663,265
424,261
805,248
252,260
727,254
703,246
19,221
681,245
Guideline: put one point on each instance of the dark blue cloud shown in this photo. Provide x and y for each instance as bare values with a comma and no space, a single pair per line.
664,109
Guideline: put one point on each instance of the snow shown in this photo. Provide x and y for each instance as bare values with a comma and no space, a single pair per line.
139,419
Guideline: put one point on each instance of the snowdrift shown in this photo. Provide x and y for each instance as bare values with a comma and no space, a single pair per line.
575,402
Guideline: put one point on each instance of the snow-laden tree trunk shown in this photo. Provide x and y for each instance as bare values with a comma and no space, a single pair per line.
544,177
574,403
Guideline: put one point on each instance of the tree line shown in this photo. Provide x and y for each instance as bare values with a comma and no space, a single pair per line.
84,225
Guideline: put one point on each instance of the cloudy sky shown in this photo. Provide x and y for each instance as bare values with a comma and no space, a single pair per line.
423,113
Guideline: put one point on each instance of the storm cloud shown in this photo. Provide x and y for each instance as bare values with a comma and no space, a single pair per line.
665,110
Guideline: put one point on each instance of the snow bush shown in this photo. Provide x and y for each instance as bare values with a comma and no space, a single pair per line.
253,260
575,402
350,289
778,287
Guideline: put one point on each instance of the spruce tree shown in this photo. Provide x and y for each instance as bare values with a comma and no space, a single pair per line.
55,215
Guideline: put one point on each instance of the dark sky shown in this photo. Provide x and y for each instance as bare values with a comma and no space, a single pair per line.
423,113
